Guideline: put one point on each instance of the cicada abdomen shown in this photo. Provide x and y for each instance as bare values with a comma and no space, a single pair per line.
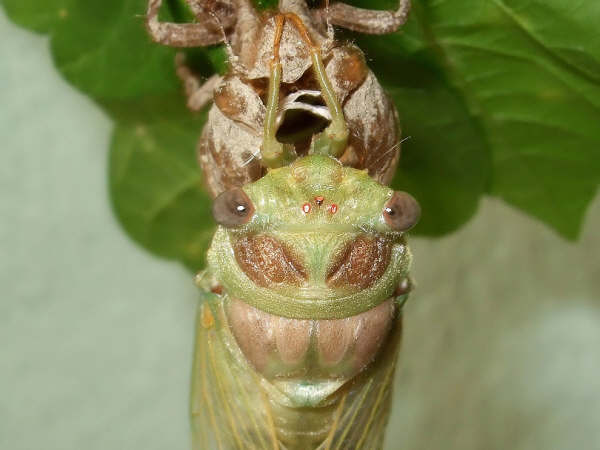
300,323
229,150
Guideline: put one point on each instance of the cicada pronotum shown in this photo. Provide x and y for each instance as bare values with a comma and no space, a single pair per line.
229,148
299,323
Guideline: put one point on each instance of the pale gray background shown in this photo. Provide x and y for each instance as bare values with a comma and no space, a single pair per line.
502,342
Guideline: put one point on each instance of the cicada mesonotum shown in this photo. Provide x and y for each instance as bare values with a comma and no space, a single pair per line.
229,148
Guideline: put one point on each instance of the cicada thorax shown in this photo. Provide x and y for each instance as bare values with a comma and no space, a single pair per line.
229,150
282,347
313,266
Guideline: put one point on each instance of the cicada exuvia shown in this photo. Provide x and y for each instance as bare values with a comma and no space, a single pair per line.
229,148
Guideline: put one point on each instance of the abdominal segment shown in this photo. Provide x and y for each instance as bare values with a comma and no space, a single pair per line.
282,348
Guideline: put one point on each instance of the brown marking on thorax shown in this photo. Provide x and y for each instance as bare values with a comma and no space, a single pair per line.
361,263
265,261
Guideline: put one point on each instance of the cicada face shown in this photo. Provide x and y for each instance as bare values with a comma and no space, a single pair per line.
314,240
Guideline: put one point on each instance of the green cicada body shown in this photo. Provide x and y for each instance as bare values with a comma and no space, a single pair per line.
300,321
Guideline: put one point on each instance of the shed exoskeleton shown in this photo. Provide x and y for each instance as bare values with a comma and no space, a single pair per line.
300,321
229,148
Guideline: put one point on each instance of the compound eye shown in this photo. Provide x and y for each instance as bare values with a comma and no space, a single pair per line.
232,208
402,211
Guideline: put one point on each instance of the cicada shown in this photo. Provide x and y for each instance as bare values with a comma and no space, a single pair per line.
300,319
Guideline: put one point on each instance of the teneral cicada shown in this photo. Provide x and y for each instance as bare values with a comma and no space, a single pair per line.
229,148
300,320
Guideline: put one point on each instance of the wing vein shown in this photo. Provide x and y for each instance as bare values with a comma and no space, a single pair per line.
336,422
356,409
206,394
270,422
224,400
384,385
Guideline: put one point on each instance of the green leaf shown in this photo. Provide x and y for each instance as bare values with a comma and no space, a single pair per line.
445,163
265,4
498,97
528,75
102,48
448,184
35,15
155,185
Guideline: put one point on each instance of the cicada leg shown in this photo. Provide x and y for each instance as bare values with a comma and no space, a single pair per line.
199,93
333,140
367,20
208,30
274,153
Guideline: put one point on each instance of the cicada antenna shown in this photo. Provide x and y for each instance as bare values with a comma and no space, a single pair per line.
274,153
231,56
390,150
330,32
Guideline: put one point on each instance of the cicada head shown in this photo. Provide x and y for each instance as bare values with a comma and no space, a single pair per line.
313,240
